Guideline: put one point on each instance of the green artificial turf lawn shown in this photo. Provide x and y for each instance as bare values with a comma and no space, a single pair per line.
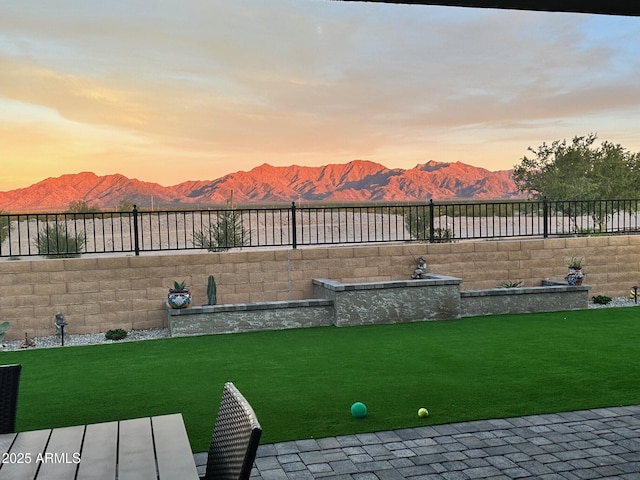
302,383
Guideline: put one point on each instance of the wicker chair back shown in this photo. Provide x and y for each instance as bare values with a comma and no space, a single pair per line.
235,439
9,384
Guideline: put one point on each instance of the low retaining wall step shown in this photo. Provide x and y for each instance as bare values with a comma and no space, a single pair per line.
551,296
243,317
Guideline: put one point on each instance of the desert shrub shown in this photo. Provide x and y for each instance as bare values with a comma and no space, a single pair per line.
5,226
115,334
417,218
80,206
56,240
601,299
418,221
442,235
227,231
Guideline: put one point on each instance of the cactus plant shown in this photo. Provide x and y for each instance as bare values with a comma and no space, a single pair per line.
3,330
212,290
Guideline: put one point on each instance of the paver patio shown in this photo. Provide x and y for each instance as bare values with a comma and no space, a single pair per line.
590,444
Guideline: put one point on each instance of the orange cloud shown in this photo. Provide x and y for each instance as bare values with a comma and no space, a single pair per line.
227,85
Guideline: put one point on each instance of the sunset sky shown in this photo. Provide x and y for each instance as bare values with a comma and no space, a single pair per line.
174,90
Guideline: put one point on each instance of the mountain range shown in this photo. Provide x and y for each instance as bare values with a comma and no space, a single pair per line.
356,181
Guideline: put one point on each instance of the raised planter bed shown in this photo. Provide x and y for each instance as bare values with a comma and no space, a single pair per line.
551,296
437,297
245,317
434,298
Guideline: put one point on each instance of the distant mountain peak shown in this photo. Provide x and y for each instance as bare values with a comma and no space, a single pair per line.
355,181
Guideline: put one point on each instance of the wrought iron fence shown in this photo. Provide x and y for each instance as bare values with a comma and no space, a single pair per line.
72,234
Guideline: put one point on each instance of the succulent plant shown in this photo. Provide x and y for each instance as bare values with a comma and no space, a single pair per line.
180,286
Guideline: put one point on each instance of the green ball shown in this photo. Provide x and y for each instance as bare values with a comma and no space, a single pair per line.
423,412
359,410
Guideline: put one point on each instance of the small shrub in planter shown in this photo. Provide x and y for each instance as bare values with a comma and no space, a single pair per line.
511,284
115,334
601,299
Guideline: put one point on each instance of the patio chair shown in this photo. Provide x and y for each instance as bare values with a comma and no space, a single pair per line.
9,384
235,439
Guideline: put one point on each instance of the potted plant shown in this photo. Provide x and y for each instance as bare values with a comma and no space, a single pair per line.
179,296
575,274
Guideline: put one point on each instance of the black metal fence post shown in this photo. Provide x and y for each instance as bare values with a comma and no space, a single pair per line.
136,242
545,215
432,230
294,227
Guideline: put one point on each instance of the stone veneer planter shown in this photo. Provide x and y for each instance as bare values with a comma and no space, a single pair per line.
437,297
243,317
434,298
552,296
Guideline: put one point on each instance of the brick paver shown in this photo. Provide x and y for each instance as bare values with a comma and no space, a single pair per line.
590,444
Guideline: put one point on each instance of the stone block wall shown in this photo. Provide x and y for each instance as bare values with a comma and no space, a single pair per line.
99,293
246,317
391,302
496,301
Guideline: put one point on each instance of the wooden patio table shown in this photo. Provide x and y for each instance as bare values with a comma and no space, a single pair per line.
150,448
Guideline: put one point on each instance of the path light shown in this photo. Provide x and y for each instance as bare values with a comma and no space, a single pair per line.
60,324
635,293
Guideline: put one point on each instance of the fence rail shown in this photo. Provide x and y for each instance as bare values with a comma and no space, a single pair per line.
71,234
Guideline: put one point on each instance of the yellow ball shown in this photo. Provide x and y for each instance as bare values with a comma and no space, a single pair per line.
423,412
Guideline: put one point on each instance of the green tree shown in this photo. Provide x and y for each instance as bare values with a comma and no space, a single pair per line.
80,206
125,206
579,170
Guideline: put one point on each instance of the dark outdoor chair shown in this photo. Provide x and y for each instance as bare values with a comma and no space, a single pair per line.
235,439
9,384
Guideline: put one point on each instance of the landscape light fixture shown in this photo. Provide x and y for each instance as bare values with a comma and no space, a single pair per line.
60,323
635,293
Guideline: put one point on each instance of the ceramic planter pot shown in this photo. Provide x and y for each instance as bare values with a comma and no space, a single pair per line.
178,298
575,276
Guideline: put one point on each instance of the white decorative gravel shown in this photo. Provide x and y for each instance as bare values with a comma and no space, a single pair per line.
90,339
616,302
136,335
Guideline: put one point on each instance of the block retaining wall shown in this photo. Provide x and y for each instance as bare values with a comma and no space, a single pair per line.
99,293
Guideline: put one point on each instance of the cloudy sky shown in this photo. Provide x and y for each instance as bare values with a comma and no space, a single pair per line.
174,90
